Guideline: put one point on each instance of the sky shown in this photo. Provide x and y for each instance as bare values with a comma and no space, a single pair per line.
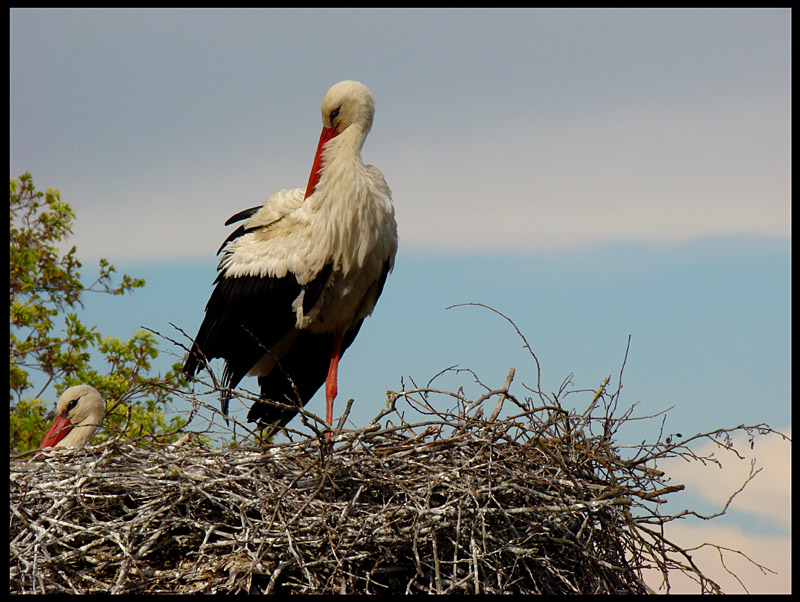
591,174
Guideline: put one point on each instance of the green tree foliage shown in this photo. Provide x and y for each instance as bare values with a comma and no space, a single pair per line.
50,348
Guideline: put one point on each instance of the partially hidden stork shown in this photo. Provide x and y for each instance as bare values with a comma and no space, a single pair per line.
79,413
297,278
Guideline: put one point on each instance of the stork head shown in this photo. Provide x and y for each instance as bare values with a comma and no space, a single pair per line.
348,103
79,413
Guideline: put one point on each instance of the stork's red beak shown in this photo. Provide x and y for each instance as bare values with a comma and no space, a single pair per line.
61,426
313,180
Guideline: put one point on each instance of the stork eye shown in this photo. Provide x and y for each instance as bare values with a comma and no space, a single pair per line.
334,114
71,405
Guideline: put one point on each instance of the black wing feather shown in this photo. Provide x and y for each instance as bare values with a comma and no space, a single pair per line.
315,287
303,370
245,316
301,373
244,214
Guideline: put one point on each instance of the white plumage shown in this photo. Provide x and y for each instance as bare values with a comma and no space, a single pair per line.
298,277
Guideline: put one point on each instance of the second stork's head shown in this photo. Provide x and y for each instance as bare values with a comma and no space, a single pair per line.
79,413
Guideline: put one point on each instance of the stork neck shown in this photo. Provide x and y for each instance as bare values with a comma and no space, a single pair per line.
340,160
345,149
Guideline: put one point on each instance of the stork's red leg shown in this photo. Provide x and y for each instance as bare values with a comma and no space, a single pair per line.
331,386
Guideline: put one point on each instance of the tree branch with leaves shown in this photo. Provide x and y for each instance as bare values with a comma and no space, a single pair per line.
50,348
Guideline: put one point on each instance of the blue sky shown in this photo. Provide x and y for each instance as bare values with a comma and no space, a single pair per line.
591,174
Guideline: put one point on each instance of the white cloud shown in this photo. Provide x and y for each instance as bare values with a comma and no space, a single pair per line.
768,496
773,552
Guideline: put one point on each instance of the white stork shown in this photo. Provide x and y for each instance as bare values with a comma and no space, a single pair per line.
79,413
298,277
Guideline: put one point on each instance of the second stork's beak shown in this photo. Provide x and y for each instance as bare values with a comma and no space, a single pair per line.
61,426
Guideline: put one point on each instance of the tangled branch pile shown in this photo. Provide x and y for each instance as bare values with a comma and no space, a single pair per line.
532,498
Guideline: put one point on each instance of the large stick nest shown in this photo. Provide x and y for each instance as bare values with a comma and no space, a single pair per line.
540,500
